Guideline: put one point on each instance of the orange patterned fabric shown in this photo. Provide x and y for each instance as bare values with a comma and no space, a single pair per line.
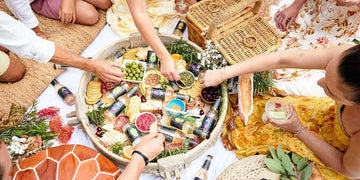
318,114
66,162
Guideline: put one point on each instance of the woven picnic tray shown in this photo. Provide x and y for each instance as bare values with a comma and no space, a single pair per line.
234,26
165,167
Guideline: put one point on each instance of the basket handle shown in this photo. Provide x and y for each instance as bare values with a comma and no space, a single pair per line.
228,12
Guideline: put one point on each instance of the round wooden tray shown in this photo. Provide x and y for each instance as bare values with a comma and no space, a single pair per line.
165,167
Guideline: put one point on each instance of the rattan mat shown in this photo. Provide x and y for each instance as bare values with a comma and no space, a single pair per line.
38,76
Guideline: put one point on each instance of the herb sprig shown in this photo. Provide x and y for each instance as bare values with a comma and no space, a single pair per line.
290,166
188,53
22,122
167,153
96,116
263,81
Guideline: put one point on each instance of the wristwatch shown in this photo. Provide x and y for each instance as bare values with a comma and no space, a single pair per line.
143,156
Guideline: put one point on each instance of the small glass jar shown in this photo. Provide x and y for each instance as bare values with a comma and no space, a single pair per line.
278,108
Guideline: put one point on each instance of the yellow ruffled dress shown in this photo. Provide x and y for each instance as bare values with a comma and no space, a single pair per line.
161,12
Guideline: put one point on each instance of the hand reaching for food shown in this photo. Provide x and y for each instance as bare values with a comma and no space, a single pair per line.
169,69
212,78
151,145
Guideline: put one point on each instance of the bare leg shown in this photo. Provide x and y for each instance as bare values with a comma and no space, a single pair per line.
86,13
15,71
101,4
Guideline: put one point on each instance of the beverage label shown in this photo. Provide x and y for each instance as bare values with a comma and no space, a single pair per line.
206,164
168,138
177,122
208,124
116,108
63,92
195,69
167,130
118,90
181,25
158,93
132,133
151,59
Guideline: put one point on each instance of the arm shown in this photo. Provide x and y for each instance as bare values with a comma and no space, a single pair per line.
285,17
347,164
151,145
303,59
23,42
144,25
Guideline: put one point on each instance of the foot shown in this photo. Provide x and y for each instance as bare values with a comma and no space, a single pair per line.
39,32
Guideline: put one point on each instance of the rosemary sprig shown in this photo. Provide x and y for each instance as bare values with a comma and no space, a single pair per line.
97,116
263,81
188,53
167,153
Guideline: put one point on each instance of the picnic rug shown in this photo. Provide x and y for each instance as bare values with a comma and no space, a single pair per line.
73,37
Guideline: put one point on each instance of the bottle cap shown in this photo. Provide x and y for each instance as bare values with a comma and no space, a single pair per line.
209,157
53,82
216,104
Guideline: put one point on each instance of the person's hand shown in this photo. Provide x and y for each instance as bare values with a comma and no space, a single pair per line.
285,17
67,11
293,124
39,33
169,69
347,2
106,70
151,145
211,78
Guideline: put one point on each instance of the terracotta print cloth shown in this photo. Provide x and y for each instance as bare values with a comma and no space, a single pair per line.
161,12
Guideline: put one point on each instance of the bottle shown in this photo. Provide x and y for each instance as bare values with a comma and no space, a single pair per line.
132,133
64,92
195,69
202,174
174,86
183,125
120,53
230,84
180,27
166,95
209,121
175,136
59,66
151,60
110,96
119,105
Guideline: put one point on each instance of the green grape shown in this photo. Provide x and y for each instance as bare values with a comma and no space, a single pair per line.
134,66
133,78
141,74
141,68
133,71
140,65
128,70
133,63
138,70
139,79
131,74
127,64
136,75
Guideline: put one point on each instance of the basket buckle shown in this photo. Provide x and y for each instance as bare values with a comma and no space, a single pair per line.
250,42
214,7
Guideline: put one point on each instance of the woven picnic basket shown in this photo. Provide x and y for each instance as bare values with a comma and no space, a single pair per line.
166,167
234,26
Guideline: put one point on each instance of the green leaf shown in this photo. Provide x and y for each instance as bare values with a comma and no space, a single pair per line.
274,166
293,178
295,158
286,163
284,178
273,152
307,172
302,163
279,152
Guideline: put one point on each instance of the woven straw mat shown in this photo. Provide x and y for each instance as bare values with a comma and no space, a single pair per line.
73,37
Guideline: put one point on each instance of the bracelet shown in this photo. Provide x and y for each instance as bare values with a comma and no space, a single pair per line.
299,131
143,156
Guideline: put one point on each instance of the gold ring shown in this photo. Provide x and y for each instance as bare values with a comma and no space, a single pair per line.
250,42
